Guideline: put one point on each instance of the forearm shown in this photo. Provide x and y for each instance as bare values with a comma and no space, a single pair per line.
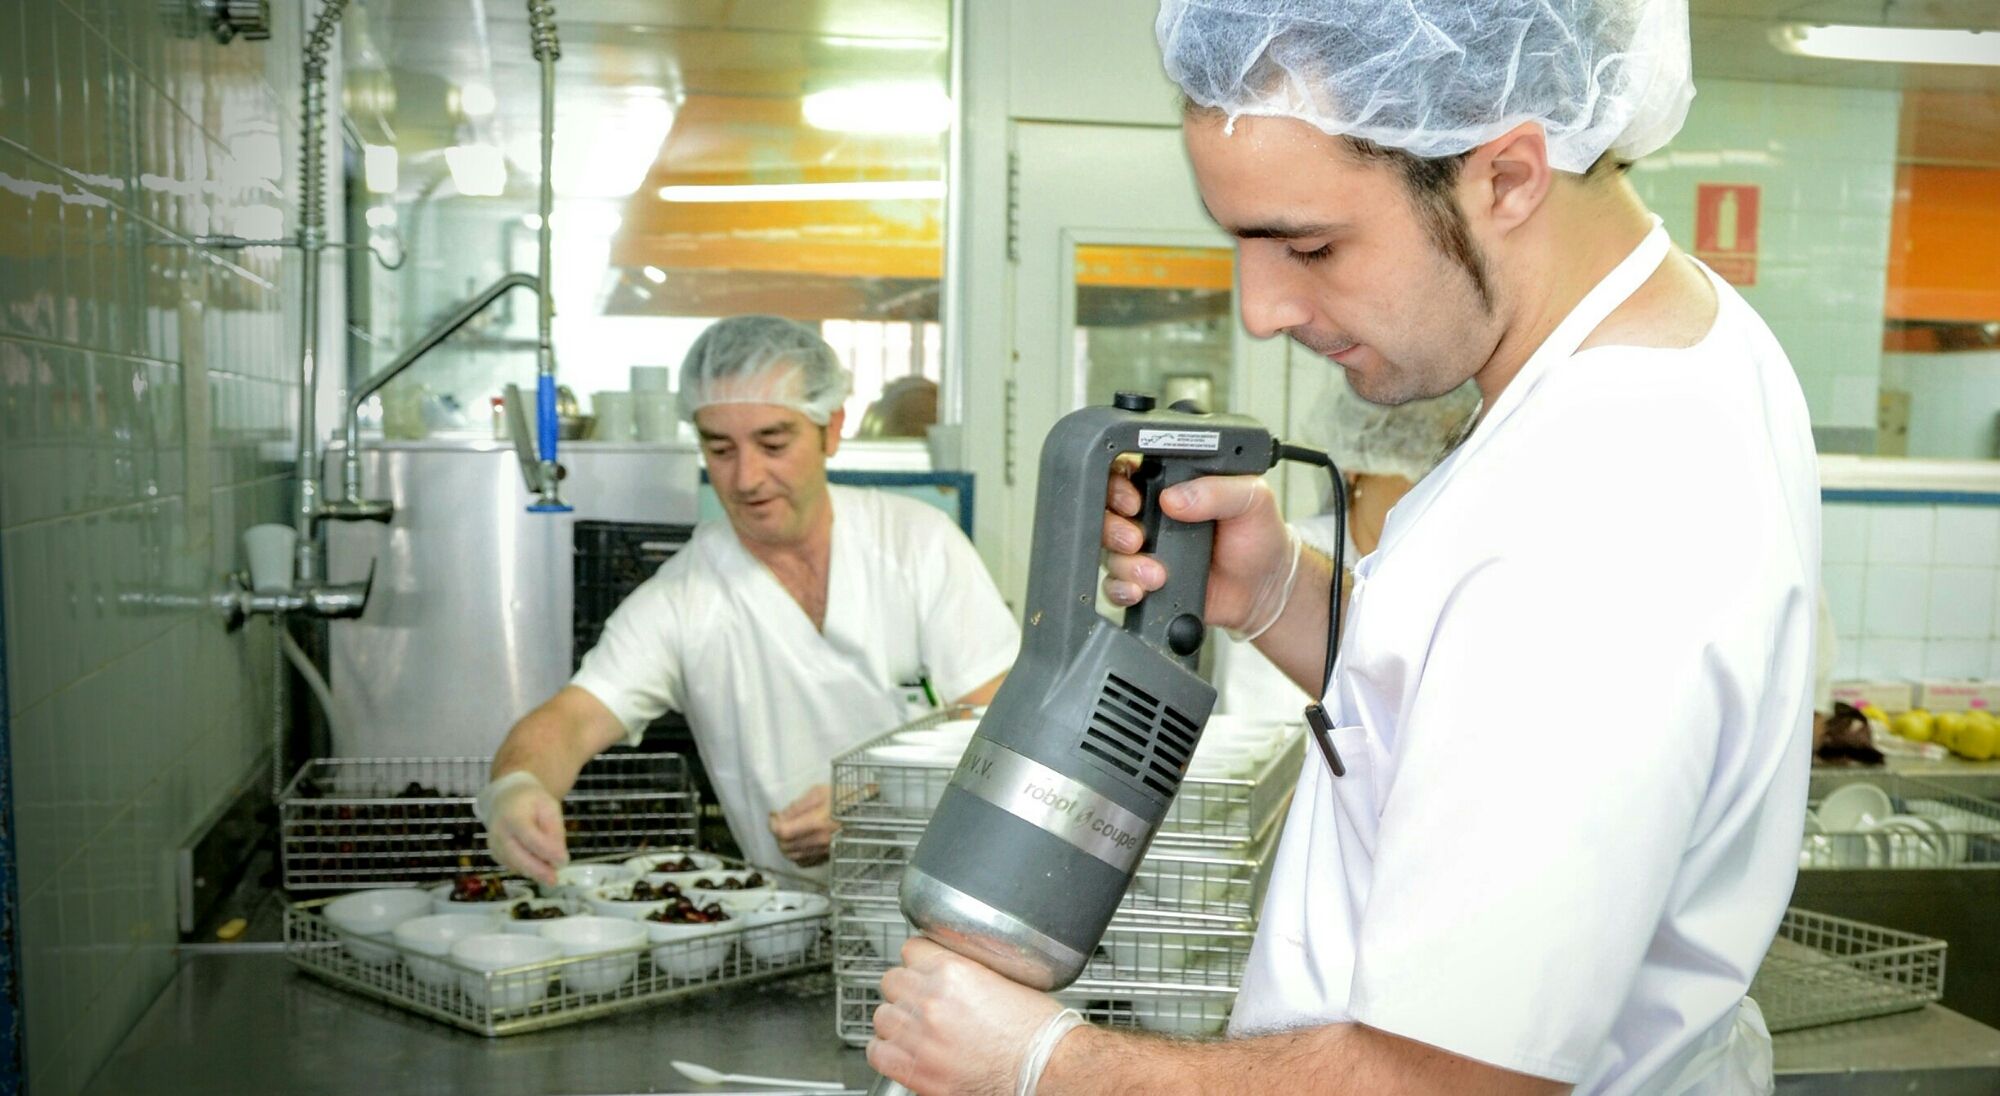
555,741
1296,642
1335,1060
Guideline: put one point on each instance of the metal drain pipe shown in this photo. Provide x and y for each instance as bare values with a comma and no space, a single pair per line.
542,37
312,242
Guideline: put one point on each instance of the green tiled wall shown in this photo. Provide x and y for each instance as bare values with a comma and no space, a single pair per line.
146,397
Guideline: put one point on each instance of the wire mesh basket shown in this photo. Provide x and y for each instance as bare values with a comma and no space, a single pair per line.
672,962
1192,1011
612,558
1927,824
347,823
1825,970
891,780
1172,881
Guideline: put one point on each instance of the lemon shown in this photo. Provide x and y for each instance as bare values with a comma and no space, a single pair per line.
1948,726
1917,725
1979,740
1874,714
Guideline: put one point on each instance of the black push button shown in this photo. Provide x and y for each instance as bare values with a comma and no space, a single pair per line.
1133,401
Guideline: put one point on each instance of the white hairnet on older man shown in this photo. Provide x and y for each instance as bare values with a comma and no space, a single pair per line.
1437,77
763,359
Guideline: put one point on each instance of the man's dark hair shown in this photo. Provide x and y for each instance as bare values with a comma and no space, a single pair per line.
1429,181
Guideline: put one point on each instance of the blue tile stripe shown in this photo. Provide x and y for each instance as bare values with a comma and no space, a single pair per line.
1910,498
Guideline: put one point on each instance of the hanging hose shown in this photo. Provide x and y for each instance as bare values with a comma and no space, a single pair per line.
542,39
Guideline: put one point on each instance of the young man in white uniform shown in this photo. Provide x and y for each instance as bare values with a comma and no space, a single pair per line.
1575,742
785,634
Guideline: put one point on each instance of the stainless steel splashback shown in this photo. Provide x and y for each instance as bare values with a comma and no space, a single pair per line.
469,624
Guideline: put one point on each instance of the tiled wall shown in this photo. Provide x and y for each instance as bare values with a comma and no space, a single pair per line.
145,397
1954,402
1914,589
1825,160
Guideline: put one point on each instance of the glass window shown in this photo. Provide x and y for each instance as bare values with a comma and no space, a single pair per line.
709,163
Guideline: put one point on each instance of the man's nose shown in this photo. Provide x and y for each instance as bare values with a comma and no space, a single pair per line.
1272,301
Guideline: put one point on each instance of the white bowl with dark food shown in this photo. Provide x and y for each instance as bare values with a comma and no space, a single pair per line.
632,900
603,952
478,894
578,880
365,917
785,926
677,866
433,935
529,914
493,982
739,892
691,943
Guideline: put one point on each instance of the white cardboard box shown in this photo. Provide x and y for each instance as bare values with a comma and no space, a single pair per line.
1890,696
1959,696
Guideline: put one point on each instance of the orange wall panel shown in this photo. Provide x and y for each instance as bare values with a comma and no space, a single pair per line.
1944,245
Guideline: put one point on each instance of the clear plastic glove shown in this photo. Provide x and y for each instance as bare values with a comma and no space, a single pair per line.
950,1027
1254,551
804,829
524,825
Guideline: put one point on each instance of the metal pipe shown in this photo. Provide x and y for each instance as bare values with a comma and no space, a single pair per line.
312,240
428,341
954,370
542,36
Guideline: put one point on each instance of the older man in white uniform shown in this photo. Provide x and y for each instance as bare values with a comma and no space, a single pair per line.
1574,741
786,634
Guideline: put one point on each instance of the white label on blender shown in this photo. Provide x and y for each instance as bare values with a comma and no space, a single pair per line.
1181,441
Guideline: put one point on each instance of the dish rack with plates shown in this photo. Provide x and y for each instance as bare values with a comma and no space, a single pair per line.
1892,821
349,823
1176,949
1827,970
537,995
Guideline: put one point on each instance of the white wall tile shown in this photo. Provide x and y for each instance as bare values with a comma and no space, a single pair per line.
1897,602
1845,585
1844,532
1993,660
1892,658
1955,658
1967,536
1901,534
1961,603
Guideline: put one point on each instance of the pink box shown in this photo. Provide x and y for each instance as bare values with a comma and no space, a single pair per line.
1959,696
1890,696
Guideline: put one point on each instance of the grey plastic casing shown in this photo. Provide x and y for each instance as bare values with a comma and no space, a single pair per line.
1078,758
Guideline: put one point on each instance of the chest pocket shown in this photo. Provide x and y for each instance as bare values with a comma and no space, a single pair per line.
1357,797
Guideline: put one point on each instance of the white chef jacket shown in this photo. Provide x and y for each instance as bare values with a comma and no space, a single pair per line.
771,699
1573,704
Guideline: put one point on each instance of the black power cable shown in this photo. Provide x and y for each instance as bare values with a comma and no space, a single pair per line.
1316,717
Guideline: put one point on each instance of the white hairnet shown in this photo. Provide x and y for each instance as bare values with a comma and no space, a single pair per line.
1437,77
762,359
1404,440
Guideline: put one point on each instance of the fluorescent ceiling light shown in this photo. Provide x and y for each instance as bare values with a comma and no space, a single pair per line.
882,191
378,167
655,275
476,100
477,170
1905,45
880,108
605,145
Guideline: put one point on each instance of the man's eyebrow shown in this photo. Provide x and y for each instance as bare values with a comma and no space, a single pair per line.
1275,230
783,428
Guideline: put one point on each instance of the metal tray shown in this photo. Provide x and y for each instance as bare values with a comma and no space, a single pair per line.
871,788
345,824
1826,970
545,995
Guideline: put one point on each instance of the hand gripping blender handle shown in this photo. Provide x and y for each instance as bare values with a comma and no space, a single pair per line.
1170,618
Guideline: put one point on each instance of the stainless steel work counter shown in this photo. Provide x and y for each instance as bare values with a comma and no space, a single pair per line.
248,1022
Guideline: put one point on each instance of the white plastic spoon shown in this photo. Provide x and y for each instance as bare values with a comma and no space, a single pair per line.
702,1075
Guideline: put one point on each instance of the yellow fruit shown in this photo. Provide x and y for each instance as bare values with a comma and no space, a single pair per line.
1875,714
1949,724
1917,726
1979,740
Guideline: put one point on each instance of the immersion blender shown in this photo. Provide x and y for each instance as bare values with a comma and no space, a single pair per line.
1076,762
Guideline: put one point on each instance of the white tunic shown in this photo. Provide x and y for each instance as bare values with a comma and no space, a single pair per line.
1573,703
771,699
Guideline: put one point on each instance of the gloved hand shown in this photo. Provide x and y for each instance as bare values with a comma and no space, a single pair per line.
805,828
1251,570
948,1025
524,825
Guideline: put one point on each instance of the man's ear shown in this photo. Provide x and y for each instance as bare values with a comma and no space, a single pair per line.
1509,177
830,433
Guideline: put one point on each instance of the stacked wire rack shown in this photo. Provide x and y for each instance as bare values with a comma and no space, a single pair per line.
1826,970
348,823
1176,949
534,996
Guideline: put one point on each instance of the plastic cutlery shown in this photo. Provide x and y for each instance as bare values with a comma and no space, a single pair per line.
703,1075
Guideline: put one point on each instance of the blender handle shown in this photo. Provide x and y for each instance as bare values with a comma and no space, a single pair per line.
883,1086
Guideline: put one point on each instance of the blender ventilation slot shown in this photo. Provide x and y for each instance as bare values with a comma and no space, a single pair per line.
1137,735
